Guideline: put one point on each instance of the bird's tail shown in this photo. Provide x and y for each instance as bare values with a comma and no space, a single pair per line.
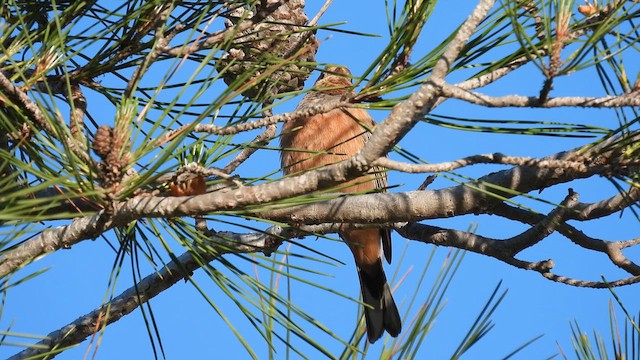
381,313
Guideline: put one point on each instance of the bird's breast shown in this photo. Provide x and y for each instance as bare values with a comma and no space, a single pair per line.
325,139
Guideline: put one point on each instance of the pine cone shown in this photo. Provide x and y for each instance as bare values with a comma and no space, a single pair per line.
278,35
102,141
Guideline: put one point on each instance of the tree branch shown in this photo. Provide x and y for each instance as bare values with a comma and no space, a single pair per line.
495,158
17,96
543,228
613,249
149,287
474,197
405,115
264,122
477,98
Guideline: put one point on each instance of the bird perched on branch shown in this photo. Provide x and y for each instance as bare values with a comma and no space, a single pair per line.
329,138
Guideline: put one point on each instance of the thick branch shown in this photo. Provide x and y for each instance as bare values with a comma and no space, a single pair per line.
48,241
475,197
87,325
613,249
158,281
406,114
152,285
543,228
17,96
122,213
492,247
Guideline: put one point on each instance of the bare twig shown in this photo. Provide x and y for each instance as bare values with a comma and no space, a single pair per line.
532,101
262,139
270,120
495,158
493,248
611,248
543,228
158,19
221,35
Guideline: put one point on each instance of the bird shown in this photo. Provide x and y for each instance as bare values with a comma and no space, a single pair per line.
327,138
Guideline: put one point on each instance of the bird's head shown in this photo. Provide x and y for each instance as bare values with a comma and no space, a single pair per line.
334,80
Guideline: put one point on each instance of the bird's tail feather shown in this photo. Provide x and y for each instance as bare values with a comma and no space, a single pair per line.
382,313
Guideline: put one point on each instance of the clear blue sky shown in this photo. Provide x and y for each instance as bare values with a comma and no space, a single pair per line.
78,279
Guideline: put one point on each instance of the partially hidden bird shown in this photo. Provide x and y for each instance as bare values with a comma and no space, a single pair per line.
327,138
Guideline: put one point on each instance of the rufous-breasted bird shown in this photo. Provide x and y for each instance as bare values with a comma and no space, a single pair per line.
328,138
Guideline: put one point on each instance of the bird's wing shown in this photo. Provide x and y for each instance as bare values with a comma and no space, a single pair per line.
381,183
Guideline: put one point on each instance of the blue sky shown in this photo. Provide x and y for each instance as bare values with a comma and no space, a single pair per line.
78,279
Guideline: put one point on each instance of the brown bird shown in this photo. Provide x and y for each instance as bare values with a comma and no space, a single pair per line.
328,138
